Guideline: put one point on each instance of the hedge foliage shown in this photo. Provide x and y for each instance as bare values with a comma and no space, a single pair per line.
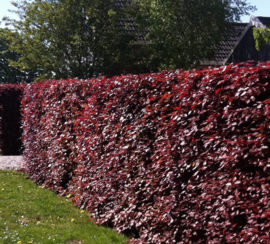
10,119
173,157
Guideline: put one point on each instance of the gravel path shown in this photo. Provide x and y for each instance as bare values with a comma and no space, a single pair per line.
11,162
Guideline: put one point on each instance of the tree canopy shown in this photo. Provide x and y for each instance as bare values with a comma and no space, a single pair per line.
181,33
261,36
8,73
70,38
85,38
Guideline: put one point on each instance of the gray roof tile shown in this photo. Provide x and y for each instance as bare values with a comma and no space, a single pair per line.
227,44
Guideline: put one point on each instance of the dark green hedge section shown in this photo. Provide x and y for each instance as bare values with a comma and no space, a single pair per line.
173,157
10,119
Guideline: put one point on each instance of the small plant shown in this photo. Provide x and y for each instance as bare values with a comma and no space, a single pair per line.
261,36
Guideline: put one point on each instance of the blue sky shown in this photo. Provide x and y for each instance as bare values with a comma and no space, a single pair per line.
263,7
5,5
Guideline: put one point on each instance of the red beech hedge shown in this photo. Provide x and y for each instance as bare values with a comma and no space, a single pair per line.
10,119
173,157
50,112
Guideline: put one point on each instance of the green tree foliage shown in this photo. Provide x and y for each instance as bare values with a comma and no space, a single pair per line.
83,38
181,33
261,36
236,9
71,38
8,73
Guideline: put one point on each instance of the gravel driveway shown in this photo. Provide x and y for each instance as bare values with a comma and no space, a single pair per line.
11,162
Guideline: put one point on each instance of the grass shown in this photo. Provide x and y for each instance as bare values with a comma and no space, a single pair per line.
31,214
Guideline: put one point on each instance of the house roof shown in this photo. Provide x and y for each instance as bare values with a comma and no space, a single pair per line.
128,24
119,3
265,21
231,41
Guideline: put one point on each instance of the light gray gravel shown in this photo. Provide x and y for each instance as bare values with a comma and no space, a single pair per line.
11,162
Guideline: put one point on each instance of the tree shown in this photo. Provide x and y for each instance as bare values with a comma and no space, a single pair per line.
71,38
181,33
236,9
84,38
261,36
9,74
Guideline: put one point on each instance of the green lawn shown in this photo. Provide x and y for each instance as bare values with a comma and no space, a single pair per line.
31,214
